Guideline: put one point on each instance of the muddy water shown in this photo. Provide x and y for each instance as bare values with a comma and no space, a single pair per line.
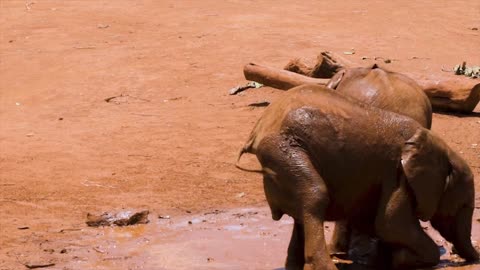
233,239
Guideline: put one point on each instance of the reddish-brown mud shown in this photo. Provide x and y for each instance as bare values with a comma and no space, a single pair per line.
167,143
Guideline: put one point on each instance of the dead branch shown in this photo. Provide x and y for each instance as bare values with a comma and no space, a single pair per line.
277,78
449,93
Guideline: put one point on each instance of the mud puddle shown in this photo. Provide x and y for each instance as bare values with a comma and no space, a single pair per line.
231,239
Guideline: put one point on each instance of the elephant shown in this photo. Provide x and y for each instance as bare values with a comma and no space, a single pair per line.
326,156
383,89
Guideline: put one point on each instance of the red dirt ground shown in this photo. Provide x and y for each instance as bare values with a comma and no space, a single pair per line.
169,143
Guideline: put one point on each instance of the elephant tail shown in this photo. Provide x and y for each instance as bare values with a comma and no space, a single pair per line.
247,148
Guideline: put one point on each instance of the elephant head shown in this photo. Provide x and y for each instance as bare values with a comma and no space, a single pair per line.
443,187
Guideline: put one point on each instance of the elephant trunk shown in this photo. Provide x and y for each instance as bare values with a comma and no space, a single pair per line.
461,234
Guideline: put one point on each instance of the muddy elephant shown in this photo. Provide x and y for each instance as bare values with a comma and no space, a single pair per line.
386,90
326,156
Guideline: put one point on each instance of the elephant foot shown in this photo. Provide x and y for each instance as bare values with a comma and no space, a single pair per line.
404,259
292,265
309,266
295,257
338,246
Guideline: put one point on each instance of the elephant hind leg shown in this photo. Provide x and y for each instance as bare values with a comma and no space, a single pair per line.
340,239
397,225
296,249
296,176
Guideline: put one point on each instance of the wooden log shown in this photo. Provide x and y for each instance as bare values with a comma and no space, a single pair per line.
278,78
327,65
446,93
455,94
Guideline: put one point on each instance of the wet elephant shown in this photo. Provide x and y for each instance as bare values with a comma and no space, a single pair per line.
326,156
384,89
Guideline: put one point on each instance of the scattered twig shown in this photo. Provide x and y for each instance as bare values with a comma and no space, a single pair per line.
34,266
259,104
416,58
240,88
28,5
145,114
172,99
385,60
69,230
110,99
84,47
102,26
88,183
98,250
134,155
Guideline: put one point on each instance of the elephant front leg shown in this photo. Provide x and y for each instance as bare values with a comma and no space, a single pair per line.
296,250
397,225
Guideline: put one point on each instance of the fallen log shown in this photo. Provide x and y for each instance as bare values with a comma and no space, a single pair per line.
278,78
328,64
450,94
446,93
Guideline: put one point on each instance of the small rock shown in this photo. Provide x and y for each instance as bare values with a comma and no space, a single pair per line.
60,119
474,28
190,222
163,217
387,61
29,134
63,251
209,259
119,219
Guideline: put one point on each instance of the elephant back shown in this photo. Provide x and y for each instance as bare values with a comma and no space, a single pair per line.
387,90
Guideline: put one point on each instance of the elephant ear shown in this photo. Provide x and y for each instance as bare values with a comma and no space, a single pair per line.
336,79
426,167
